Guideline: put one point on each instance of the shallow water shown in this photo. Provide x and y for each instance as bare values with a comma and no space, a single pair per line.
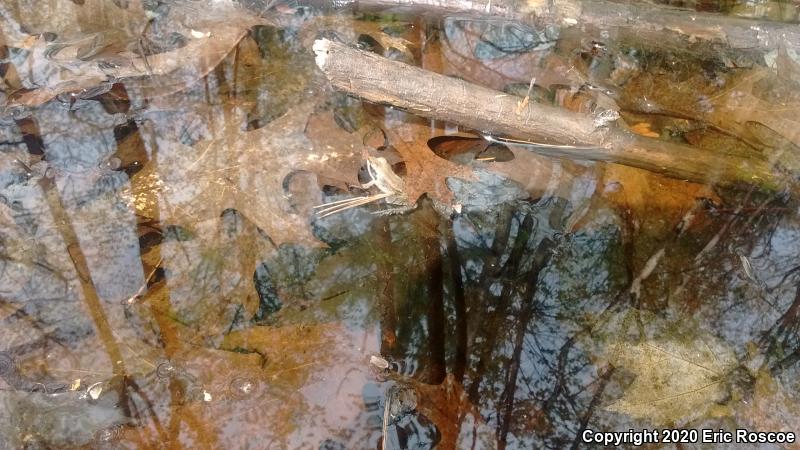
166,282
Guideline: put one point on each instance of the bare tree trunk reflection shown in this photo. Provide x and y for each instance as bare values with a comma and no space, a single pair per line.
488,277
161,308
587,416
437,368
541,258
459,303
385,300
93,305
785,328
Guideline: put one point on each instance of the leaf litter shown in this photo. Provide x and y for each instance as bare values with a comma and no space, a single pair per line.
222,205
80,63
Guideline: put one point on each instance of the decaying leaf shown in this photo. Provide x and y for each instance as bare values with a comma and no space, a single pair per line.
79,63
759,96
676,382
210,274
246,171
425,172
752,96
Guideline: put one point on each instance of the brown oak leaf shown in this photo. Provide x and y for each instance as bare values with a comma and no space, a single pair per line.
246,171
426,172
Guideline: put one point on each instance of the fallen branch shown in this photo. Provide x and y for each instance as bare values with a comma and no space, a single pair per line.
735,32
657,23
568,134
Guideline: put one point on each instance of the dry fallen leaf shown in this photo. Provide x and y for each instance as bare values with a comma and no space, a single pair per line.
643,128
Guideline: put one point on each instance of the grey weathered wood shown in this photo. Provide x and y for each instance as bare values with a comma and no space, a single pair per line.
659,23
425,93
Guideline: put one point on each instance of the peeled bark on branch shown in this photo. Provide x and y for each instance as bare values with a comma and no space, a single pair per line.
428,94
654,22
735,32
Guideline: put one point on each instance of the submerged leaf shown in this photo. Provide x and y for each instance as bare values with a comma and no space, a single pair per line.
426,172
85,61
676,382
210,277
273,384
246,171
732,104
64,420
759,96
